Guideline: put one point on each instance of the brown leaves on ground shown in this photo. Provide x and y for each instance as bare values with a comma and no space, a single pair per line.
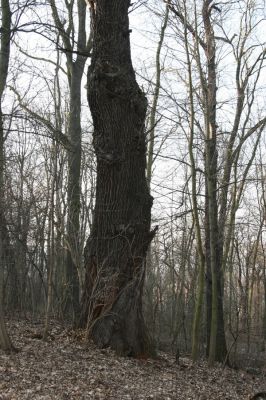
64,367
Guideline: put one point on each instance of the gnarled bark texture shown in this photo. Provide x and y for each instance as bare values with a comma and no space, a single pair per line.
120,236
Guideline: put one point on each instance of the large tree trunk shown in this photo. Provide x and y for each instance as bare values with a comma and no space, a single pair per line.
120,236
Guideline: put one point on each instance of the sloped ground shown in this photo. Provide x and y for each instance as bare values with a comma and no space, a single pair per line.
65,368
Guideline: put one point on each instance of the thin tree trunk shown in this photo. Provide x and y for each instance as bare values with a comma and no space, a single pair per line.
51,243
5,342
264,309
152,121
75,69
201,257
217,350
208,277
73,193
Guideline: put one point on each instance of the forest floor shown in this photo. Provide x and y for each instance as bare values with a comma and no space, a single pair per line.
64,367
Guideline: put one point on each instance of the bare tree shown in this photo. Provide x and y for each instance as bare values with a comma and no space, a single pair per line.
76,55
5,342
120,233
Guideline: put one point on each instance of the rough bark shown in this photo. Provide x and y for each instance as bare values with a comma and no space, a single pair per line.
120,235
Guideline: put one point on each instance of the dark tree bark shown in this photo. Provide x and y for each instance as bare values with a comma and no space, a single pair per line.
120,235
217,345
75,69
73,191
5,343
208,276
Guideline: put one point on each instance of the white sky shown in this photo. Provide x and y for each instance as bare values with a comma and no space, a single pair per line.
169,176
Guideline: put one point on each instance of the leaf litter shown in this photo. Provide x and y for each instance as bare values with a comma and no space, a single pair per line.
66,367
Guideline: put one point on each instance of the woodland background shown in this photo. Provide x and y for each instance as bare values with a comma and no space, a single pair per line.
49,166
